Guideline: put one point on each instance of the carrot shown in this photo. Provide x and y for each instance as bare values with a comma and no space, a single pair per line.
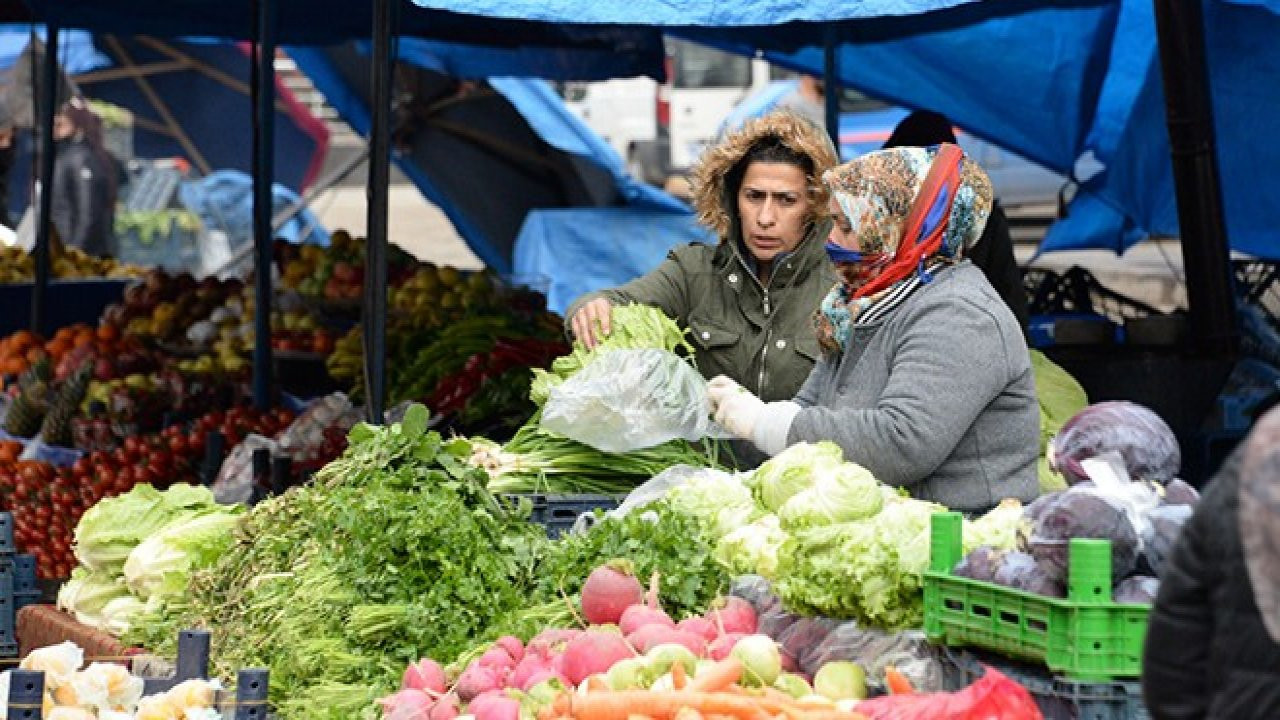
595,683
679,678
688,713
719,676
896,682
663,705
834,715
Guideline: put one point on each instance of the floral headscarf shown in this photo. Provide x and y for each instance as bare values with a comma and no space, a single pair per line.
877,193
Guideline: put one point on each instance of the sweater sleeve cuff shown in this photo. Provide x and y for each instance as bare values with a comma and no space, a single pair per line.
773,426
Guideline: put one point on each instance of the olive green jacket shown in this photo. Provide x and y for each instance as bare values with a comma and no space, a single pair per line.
762,337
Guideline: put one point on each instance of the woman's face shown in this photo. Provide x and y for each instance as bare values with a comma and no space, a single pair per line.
854,274
841,230
773,205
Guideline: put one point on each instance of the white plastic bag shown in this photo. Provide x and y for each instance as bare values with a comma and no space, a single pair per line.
235,477
627,400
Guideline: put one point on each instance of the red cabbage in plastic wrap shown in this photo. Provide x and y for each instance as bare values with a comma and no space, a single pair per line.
1030,516
1020,571
1149,448
755,590
1084,513
980,564
1141,589
1178,492
805,633
1164,525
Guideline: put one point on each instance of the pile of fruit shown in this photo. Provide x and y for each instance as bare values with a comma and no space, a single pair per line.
17,266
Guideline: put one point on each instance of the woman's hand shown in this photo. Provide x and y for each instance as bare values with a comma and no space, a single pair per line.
593,322
733,406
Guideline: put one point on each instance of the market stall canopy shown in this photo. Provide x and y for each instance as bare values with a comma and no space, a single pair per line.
1082,80
185,99
1076,79
485,152
635,51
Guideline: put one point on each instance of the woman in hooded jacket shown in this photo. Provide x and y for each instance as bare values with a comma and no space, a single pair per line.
924,378
747,300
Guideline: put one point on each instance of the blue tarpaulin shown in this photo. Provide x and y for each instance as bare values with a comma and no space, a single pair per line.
677,13
1055,81
638,51
489,158
579,250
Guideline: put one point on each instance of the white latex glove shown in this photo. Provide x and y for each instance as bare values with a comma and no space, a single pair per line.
744,415
733,406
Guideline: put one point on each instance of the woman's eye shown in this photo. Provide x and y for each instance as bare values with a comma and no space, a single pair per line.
754,195
788,200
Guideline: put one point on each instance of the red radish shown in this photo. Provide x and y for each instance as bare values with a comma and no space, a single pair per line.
426,675
609,590
593,652
497,658
408,704
550,641
446,708
789,663
723,645
494,706
476,679
733,615
541,676
649,636
512,645
637,616
525,669
699,626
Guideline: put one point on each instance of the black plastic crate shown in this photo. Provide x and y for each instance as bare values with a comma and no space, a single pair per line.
1058,698
558,513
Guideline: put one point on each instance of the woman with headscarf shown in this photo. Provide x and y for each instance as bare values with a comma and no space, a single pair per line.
1213,639
925,379
746,300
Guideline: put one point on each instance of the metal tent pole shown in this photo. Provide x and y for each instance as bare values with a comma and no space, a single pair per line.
44,220
1189,114
831,88
263,88
375,267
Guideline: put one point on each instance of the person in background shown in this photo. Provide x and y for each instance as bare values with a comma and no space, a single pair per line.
1213,638
925,379
746,300
85,181
807,101
993,251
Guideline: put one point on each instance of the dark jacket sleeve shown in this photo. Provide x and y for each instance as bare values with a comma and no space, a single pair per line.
665,287
1175,664
993,254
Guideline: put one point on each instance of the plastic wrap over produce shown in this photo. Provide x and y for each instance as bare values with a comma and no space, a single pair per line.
811,642
1145,442
628,400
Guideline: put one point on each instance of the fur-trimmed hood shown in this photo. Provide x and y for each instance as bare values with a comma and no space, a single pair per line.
715,208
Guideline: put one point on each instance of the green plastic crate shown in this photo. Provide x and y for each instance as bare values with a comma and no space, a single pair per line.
1085,636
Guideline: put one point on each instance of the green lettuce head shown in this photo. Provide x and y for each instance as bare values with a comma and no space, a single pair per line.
845,492
793,470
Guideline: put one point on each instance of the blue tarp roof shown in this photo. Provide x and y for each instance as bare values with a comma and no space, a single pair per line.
322,22
486,194
711,13
1052,80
